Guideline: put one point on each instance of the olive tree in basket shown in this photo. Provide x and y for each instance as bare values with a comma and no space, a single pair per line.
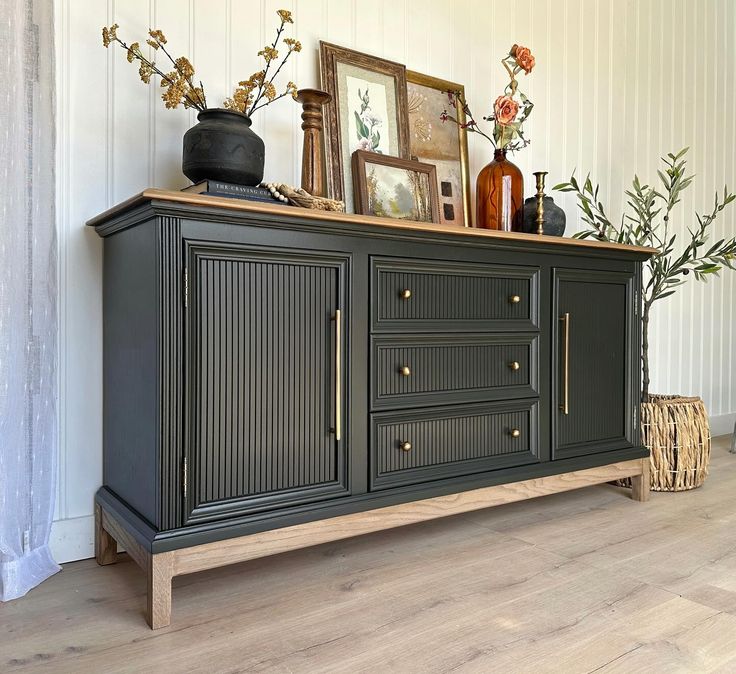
674,428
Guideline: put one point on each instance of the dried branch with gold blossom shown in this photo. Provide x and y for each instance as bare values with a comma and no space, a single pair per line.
179,82
259,90
252,94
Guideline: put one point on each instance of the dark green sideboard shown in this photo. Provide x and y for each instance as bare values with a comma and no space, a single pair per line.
269,369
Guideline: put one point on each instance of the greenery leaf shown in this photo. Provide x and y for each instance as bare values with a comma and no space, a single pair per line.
362,128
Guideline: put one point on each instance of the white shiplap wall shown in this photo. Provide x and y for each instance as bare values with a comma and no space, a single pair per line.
617,83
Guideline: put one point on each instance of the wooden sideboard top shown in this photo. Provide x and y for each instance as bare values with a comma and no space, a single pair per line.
153,194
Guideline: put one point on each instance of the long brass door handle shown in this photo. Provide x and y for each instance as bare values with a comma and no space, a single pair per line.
565,405
338,375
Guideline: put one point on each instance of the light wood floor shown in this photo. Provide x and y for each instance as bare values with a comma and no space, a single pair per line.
586,581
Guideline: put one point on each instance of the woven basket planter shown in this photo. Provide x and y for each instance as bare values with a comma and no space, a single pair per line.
676,431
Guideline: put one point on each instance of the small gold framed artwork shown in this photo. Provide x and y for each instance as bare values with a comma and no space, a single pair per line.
443,144
390,187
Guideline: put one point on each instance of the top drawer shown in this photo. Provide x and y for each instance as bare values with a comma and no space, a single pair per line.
410,294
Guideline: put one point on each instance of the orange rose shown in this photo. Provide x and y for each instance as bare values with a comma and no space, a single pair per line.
505,109
524,58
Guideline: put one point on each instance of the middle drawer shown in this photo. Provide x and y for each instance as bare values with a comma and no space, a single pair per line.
421,370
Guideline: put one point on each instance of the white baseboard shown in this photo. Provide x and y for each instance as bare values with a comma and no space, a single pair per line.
722,424
73,539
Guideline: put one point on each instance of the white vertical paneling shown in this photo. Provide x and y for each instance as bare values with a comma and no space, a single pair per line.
677,304
310,17
276,124
554,106
339,26
729,172
441,52
84,177
416,30
368,20
618,83
393,30
617,132
174,19
130,132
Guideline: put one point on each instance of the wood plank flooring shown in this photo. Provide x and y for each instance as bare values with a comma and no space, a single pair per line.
584,581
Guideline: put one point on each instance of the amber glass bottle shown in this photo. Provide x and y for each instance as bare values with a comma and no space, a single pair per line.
500,195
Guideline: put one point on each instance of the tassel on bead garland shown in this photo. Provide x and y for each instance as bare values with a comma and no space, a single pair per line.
299,197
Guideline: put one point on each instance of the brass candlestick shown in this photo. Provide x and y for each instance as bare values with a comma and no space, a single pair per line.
540,200
313,160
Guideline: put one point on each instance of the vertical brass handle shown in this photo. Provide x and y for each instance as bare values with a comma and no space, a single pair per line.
565,406
338,375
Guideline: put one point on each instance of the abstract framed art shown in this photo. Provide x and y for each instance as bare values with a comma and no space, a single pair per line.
367,112
443,144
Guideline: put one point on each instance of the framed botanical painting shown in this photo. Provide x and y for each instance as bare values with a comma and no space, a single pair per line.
367,112
390,187
440,143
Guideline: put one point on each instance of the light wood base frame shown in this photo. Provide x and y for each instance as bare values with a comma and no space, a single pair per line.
161,567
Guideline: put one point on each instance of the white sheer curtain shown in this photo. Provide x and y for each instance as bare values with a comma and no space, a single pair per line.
28,321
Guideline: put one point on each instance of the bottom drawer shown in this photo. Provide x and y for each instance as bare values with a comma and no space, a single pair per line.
442,442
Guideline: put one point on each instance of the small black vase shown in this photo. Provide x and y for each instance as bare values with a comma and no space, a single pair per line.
221,146
554,217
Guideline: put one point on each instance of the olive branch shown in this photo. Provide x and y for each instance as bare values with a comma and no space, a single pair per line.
647,223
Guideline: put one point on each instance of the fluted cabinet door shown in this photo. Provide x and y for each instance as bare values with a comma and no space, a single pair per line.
595,358
262,387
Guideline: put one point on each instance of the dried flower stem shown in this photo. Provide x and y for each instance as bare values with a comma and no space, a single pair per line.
513,84
202,99
195,103
470,123
508,114
204,96
276,98
262,86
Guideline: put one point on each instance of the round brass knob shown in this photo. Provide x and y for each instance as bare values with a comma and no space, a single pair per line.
405,294
406,446
514,365
514,299
405,371
515,432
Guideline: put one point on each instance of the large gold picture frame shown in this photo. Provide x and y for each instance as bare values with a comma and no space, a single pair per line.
367,112
443,144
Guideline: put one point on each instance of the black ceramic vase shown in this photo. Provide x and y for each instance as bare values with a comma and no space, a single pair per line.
554,217
222,146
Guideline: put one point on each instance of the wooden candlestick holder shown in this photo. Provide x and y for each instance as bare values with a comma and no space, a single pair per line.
313,161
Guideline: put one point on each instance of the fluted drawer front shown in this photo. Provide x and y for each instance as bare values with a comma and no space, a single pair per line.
422,370
451,296
443,442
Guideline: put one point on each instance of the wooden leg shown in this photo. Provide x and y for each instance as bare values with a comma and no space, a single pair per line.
159,571
106,547
640,483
